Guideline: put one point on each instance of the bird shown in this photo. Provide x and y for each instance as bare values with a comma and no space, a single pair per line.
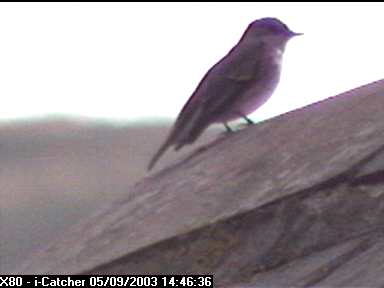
237,85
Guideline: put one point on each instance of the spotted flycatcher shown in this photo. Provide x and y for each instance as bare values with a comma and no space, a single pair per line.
234,87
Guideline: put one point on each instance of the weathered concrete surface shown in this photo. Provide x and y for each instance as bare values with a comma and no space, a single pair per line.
297,200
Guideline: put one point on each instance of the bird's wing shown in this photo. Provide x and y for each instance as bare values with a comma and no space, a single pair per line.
236,73
229,76
218,90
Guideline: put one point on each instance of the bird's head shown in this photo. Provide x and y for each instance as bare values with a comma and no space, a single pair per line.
269,30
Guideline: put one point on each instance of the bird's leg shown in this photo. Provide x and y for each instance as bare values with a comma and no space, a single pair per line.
229,130
249,121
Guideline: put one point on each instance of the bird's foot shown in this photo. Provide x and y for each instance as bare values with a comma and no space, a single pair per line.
228,129
248,122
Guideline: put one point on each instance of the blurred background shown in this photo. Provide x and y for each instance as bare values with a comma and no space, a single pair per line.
89,91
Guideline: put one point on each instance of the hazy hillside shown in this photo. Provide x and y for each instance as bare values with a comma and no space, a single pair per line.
56,171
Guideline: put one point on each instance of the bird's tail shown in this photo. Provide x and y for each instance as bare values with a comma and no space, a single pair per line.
185,131
160,152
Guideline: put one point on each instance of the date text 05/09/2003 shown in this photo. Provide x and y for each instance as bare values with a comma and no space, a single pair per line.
161,281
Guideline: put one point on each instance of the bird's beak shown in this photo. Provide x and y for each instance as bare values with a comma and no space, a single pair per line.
296,34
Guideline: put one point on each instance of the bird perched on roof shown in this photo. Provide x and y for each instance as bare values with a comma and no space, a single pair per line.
234,87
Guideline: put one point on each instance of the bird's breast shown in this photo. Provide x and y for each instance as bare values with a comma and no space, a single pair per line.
263,86
278,57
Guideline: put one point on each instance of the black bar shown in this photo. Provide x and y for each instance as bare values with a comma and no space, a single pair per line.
154,281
